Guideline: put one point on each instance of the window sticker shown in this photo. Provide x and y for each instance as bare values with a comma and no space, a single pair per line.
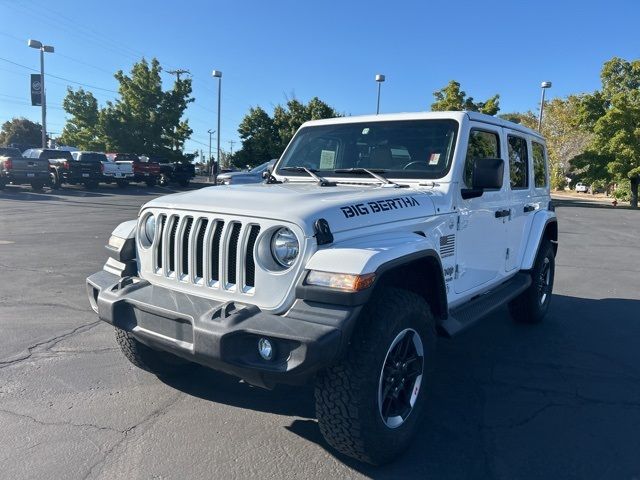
434,159
327,160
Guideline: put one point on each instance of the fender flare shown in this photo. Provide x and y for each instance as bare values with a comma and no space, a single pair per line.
541,223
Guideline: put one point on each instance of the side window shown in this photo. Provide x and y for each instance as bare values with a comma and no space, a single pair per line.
518,162
539,165
482,144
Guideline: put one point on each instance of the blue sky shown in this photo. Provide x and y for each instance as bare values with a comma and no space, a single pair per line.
271,50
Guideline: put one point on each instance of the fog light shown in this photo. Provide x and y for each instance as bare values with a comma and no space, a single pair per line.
265,348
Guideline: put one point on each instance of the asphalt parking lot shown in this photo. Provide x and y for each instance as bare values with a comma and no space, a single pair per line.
557,400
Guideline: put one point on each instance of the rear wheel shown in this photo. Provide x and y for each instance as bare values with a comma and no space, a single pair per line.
370,404
531,305
148,359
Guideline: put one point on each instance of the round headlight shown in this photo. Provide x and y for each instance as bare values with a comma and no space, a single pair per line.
284,247
149,229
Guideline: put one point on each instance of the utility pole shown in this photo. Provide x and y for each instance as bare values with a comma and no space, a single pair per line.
177,73
231,142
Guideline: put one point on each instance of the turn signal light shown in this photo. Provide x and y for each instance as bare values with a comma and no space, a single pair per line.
341,281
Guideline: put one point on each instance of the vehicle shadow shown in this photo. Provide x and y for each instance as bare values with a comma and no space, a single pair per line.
586,203
458,434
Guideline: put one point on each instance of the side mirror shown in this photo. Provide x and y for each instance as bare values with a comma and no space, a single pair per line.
267,173
487,175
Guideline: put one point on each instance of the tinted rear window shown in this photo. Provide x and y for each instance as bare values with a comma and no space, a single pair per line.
92,157
126,157
50,154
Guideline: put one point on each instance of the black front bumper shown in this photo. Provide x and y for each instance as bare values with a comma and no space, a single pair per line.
224,336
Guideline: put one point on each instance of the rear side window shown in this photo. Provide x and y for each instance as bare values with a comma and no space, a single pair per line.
482,144
518,162
539,165
92,157
56,154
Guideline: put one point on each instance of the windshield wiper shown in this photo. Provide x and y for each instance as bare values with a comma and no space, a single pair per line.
373,172
323,182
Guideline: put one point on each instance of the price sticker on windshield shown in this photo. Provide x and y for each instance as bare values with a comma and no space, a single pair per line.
434,159
327,160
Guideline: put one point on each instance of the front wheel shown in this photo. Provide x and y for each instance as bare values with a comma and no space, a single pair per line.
531,305
370,404
153,361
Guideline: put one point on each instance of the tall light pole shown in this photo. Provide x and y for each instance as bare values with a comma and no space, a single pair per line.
543,86
379,78
210,132
218,74
43,100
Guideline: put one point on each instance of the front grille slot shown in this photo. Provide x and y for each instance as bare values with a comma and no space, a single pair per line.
185,246
172,244
215,251
199,252
160,236
249,260
233,252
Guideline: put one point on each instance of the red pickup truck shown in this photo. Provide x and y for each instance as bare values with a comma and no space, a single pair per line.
143,171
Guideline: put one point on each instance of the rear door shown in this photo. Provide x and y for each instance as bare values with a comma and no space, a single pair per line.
520,196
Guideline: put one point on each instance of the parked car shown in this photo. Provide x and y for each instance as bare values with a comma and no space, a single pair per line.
581,188
371,235
119,172
65,170
142,169
17,170
252,176
174,171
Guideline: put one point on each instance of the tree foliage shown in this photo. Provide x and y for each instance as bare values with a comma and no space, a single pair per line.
21,131
265,137
451,97
143,119
613,113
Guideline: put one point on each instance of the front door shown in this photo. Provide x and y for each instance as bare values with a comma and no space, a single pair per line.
482,226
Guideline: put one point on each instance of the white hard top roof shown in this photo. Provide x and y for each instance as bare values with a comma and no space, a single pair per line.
459,116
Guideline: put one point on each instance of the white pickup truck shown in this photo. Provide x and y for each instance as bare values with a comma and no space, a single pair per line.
119,172
369,235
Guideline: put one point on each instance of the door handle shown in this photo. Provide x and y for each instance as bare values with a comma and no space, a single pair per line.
529,208
502,213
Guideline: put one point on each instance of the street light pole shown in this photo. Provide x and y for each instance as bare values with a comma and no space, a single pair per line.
43,98
379,79
218,74
543,86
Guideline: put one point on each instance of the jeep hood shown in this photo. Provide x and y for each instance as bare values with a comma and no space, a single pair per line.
345,207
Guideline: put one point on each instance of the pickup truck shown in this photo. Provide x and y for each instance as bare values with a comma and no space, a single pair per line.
142,169
65,170
112,171
174,171
17,170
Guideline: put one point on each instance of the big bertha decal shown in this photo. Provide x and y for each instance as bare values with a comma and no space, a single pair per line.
378,206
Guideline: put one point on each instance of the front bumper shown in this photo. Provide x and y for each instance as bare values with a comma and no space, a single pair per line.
224,336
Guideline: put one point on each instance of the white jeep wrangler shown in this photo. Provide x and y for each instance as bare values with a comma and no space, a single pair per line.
370,235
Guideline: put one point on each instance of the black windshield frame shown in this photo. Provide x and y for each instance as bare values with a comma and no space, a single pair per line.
427,146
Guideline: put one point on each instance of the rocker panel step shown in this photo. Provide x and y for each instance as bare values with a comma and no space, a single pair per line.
462,317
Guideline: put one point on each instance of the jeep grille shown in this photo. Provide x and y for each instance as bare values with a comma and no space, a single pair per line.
206,251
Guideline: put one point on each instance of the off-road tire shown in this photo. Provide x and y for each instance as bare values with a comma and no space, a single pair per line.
37,186
159,363
346,394
528,307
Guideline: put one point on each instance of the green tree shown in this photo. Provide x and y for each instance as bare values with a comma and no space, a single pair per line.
83,129
21,131
614,114
451,97
265,137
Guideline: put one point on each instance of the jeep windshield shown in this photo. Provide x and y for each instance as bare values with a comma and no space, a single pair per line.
414,149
